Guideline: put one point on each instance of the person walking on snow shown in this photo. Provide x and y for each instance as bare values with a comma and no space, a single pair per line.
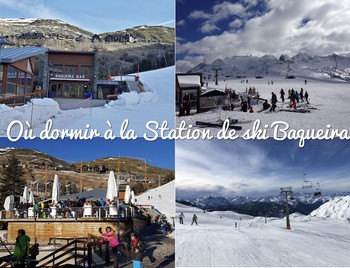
306,97
282,94
273,102
181,218
194,219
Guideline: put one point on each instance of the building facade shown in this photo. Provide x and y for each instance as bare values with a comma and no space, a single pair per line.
71,74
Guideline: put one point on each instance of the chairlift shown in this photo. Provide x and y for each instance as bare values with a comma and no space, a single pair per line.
305,183
318,192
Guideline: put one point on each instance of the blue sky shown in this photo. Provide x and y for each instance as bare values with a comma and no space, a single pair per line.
212,29
94,15
259,168
158,153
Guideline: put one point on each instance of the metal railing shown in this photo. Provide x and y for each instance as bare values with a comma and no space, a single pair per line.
124,212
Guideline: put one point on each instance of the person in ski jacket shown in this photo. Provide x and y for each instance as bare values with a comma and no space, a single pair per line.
137,247
306,97
110,236
21,248
273,102
282,94
194,219
181,218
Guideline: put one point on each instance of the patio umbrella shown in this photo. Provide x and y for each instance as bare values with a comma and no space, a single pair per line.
127,195
56,190
112,188
31,198
25,195
133,200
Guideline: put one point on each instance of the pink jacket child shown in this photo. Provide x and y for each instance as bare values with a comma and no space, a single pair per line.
109,236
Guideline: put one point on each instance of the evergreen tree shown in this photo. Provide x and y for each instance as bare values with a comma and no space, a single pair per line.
12,182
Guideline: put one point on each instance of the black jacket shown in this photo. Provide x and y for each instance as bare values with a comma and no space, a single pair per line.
140,246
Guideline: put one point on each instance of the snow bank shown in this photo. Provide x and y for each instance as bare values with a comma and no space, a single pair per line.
37,111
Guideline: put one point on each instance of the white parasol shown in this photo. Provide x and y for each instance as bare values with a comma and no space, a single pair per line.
56,190
127,195
25,195
112,188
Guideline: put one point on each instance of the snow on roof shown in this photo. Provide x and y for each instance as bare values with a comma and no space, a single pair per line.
189,80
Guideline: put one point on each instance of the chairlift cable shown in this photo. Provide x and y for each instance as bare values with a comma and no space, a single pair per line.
329,156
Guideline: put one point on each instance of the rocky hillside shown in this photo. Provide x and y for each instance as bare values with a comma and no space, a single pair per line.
139,48
41,168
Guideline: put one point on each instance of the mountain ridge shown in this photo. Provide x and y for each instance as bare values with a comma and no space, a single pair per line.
300,65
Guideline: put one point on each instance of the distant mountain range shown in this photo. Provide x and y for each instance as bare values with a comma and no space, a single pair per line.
269,206
300,65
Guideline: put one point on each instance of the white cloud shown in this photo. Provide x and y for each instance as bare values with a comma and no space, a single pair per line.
208,28
198,14
237,23
181,23
227,9
33,8
278,31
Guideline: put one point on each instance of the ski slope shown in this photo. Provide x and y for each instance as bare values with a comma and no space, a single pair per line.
215,242
329,100
162,198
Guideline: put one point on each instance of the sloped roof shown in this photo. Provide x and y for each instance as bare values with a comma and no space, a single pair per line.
13,54
186,81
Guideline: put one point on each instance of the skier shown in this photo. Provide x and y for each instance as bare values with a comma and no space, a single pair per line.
301,95
282,94
181,217
306,97
266,105
194,219
273,102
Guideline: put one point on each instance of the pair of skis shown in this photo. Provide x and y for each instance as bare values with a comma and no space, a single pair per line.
232,124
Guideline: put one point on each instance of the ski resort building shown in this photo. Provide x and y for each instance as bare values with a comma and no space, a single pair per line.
70,74
188,90
17,73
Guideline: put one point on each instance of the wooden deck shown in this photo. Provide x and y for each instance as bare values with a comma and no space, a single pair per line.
42,230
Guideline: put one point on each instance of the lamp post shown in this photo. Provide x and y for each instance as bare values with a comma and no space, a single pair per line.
287,191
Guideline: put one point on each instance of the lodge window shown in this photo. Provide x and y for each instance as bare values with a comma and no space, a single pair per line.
18,82
86,70
71,69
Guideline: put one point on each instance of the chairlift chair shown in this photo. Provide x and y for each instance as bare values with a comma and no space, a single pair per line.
318,192
306,184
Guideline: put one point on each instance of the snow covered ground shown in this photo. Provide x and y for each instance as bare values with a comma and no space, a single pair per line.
163,199
156,104
216,242
329,99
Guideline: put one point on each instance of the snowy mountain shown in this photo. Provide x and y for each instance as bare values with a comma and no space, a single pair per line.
337,208
300,65
272,206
